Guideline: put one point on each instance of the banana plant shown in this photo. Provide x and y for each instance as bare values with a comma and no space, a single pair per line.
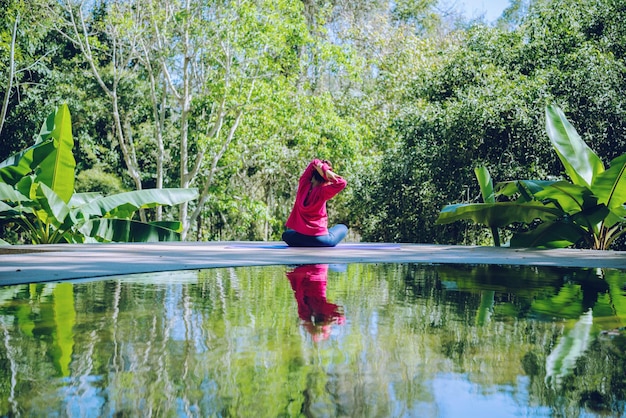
587,211
37,193
495,214
592,203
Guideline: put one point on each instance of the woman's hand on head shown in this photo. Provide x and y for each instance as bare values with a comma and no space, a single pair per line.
331,176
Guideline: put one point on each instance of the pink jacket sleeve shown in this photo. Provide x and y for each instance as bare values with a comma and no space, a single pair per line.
305,178
330,189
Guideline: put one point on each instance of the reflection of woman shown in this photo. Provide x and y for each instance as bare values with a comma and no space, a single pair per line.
308,222
309,285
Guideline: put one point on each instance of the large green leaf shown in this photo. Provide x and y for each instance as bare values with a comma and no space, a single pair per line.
616,215
557,234
610,186
57,169
21,164
124,205
125,230
79,199
591,218
498,214
175,226
525,189
10,194
580,162
26,186
51,208
485,183
570,197
4,207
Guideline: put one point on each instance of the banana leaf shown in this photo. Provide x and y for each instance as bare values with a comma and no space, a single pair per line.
485,183
57,169
526,189
610,186
591,217
125,230
124,205
486,189
5,208
554,234
571,198
51,208
175,226
79,199
23,163
10,194
498,214
26,186
616,215
581,164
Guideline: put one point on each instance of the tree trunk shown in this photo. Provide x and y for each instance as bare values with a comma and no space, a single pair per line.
11,75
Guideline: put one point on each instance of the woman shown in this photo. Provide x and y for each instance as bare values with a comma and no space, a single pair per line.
308,222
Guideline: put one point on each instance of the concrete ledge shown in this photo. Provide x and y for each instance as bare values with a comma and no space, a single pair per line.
40,263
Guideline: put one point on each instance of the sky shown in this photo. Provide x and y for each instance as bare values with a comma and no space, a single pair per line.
475,8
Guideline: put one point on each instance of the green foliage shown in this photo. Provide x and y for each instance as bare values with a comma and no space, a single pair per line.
588,212
405,102
481,99
37,193
98,180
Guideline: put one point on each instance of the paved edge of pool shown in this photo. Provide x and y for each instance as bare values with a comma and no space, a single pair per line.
57,262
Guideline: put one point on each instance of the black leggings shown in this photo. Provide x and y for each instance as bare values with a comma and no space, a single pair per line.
334,237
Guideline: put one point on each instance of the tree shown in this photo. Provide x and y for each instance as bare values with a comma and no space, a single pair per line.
23,59
481,101
111,41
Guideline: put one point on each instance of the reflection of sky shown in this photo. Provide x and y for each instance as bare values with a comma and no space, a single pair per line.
456,396
176,310
83,398
491,9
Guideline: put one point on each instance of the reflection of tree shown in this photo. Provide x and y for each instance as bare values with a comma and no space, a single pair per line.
12,369
309,285
224,342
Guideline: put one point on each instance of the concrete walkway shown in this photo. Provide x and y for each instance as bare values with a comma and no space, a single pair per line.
40,263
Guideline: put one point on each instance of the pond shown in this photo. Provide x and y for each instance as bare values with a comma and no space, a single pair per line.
367,340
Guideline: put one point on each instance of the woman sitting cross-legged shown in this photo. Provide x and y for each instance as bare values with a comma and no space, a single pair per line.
308,222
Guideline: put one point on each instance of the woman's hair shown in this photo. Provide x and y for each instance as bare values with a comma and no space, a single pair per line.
318,177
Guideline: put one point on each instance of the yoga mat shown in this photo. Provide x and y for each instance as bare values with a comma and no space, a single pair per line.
340,246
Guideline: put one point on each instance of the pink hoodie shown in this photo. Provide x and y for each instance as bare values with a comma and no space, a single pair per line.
312,219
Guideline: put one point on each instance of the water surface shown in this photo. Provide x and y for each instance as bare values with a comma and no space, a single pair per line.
367,340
